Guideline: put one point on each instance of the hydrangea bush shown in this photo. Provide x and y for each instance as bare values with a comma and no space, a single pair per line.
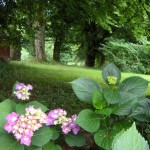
31,125
113,108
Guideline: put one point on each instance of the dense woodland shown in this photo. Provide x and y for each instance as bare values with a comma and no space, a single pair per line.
94,32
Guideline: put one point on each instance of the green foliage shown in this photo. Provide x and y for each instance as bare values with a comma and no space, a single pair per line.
84,88
33,148
115,107
130,140
8,142
52,146
128,56
75,140
98,100
104,138
112,96
141,111
134,85
20,108
88,120
42,136
6,107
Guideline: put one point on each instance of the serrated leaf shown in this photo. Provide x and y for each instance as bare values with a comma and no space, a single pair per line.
51,146
130,140
84,88
141,111
98,100
8,142
112,96
111,70
41,136
75,140
88,120
104,138
134,85
118,135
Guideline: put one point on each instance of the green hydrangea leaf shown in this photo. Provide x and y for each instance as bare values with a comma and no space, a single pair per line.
141,111
75,140
98,100
130,140
84,88
112,96
8,142
51,146
42,136
134,85
88,120
104,138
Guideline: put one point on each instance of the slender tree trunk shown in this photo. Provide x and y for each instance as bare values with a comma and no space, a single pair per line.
56,51
39,43
90,32
58,46
105,34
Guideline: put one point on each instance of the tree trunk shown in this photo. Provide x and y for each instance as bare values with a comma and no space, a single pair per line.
90,60
94,37
90,32
57,49
15,53
39,43
105,34
58,45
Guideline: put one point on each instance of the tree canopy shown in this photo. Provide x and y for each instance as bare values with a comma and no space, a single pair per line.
84,23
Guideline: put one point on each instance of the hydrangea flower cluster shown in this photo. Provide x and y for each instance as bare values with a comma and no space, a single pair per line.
112,80
58,116
22,91
23,126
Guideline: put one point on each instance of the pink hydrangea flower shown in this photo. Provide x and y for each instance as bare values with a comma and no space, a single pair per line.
12,118
19,86
23,126
70,125
58,116
8,127
26,140
22,91
30,87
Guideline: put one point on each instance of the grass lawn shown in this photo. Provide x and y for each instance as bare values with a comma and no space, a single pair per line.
51,83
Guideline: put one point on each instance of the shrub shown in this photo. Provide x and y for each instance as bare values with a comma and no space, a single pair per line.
128,56
114,108
31,125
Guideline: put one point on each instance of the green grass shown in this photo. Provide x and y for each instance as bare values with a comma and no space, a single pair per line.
51,83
